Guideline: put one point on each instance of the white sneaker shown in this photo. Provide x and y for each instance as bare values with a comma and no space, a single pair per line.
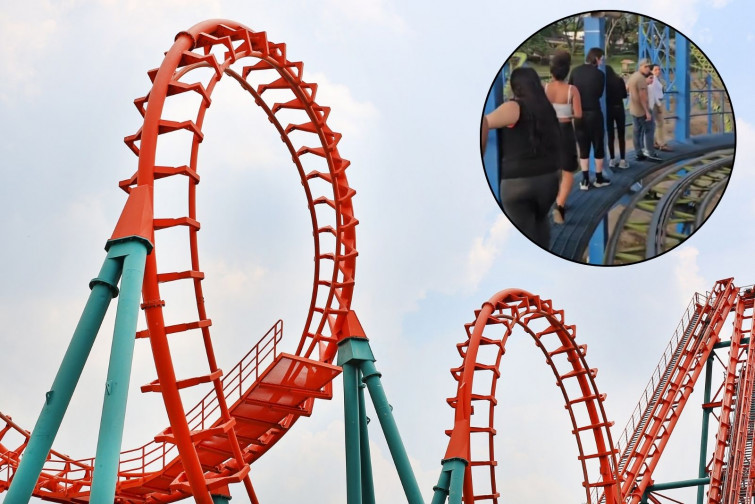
612,163
623,164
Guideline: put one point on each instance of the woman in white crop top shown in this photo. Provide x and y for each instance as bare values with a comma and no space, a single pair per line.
567,103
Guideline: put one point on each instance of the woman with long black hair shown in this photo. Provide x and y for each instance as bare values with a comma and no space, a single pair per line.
530,159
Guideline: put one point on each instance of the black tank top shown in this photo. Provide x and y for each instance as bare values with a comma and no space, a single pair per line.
521,158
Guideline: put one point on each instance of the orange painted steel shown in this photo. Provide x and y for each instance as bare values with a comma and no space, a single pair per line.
622,471
504,312
735,472
268,392
641,455
195,455
732,396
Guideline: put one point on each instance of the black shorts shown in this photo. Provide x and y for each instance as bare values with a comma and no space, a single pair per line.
568,158
590,131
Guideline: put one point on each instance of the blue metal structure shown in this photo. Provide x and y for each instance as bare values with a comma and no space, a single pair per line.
595,36
490,158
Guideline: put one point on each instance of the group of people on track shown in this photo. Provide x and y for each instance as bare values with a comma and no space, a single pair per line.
548,133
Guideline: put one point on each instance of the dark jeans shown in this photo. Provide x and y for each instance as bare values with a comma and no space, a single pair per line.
643,135
616,119
527,202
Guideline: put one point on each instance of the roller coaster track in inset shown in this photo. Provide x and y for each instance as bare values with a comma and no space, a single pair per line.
252,407
669,207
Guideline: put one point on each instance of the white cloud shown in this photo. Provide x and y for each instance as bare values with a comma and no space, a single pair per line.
371,12
485,250
687,273
349,116
24,45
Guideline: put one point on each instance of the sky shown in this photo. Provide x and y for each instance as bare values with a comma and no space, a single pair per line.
406,83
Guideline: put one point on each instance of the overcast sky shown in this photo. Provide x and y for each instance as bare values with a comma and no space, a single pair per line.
406,82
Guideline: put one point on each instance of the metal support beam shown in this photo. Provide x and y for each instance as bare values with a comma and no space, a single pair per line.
220,499
681,79
59,397
451,481
492,156
132,252
355,354
351,428
595,36
368,486
703,466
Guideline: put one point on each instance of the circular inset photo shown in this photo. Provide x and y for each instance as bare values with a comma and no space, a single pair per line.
608,138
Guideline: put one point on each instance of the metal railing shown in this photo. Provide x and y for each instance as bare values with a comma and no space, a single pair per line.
154,456
655,379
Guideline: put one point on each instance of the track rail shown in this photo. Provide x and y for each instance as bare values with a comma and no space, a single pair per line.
191,69
670,396
669,208
494,324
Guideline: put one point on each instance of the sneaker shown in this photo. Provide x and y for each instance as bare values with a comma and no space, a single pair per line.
584,185
640,157
559,214
612,163
653,158
623,164
602,182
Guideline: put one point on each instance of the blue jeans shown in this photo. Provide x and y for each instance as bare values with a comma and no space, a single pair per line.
643,135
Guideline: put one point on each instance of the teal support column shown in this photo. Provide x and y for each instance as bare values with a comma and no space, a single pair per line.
703,466
390,430
133,253
354,352
221,499
351,428
451,482
441,489
368,486
681,78
104,289
699,482
457,467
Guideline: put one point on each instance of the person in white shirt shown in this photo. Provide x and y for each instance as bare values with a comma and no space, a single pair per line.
656,89
655,95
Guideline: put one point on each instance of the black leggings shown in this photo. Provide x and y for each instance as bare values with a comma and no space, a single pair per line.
590,131
616,116
527,202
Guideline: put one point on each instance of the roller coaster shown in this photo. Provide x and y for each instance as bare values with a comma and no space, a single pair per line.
247,410
649,208
616,469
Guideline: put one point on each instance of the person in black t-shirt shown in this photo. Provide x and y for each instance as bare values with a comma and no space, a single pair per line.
616,91
590,129
531,157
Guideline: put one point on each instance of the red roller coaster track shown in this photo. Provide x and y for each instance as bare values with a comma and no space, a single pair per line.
614,469
254,405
